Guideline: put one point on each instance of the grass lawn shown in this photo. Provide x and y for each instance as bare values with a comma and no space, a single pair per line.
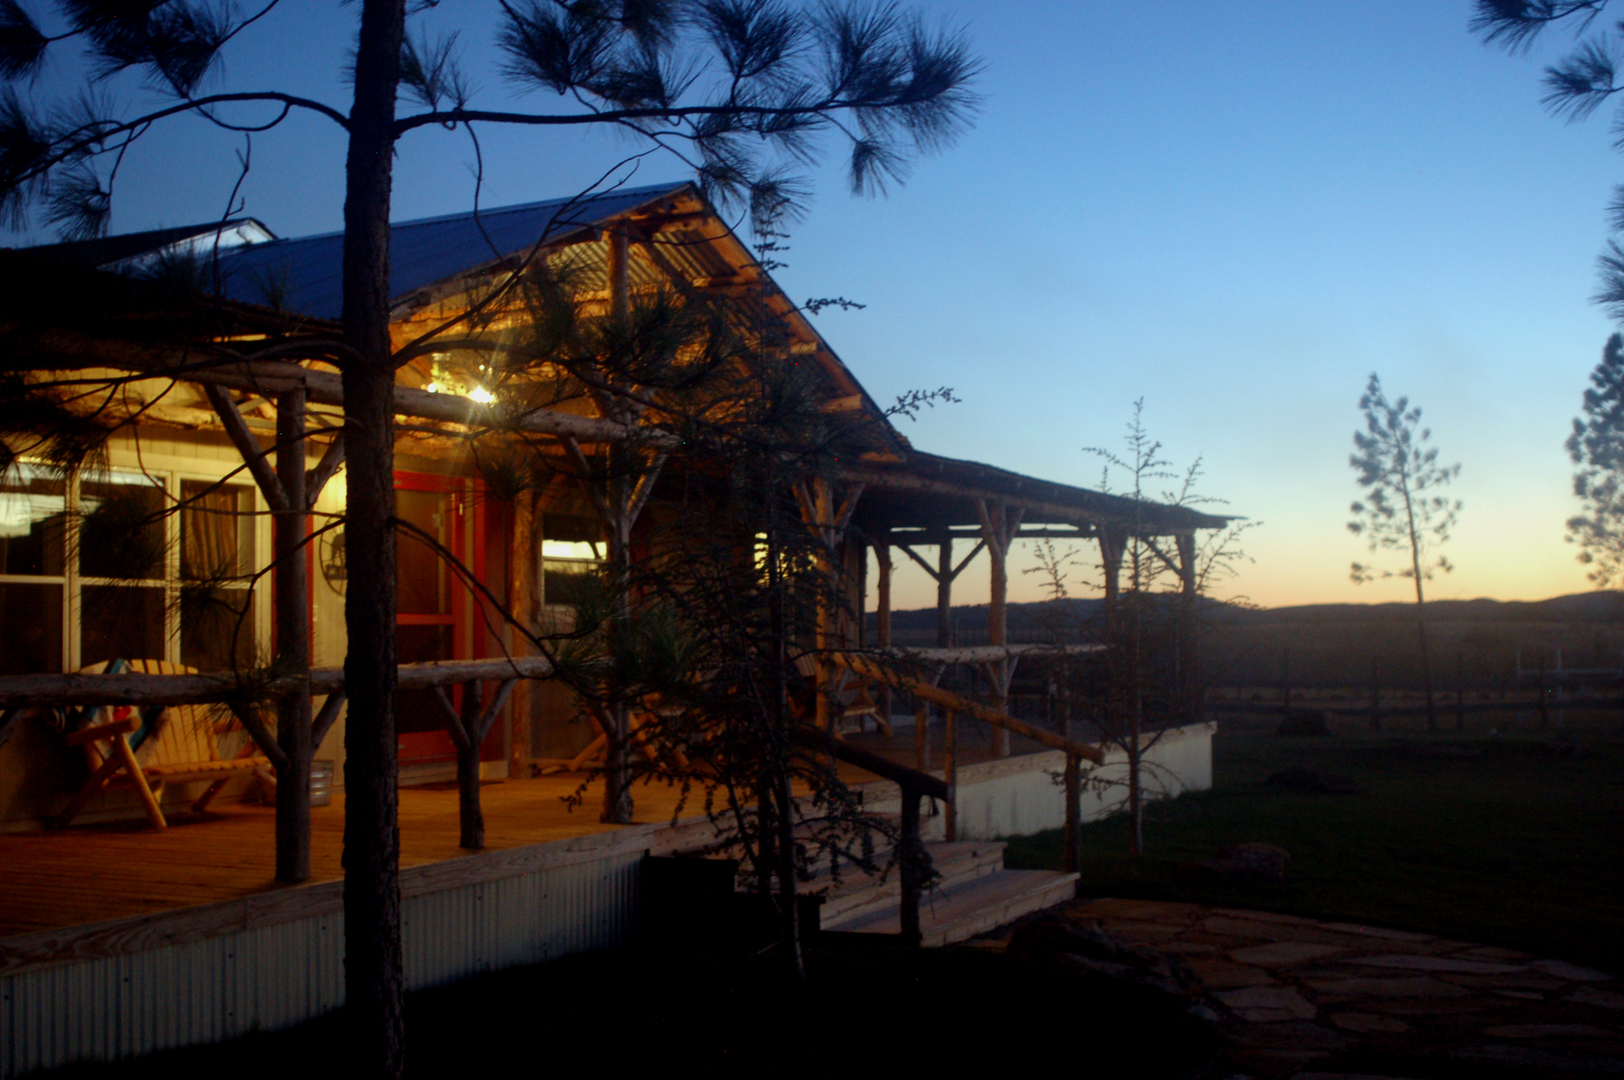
1521,845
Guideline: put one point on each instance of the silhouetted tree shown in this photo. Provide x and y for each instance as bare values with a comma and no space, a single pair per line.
1402,509
1597,449
732,87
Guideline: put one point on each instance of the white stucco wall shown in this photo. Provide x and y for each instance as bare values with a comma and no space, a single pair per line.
1023,795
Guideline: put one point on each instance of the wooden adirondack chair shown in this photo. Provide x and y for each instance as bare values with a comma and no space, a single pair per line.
149,748
850,693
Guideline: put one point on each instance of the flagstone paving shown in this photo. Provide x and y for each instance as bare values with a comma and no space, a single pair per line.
1312,1000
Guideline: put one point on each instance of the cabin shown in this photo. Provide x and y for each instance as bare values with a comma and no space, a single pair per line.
205,538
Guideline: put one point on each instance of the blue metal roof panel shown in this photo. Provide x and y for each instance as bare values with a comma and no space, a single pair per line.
306,273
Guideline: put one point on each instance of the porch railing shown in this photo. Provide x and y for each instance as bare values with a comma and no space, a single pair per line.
952,705
913,862
467,727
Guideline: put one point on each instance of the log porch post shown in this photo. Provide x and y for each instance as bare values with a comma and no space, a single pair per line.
1112,543
882,605
824,511
619,506
827,524
289,493
522,564
1189,686
999,524
291,536
950,771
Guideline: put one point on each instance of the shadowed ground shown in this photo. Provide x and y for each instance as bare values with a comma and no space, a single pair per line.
1305,998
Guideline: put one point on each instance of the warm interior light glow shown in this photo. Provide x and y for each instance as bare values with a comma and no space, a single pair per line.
570,549
482,395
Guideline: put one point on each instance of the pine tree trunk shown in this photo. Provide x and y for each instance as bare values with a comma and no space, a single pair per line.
782,836
292,593
788,901
1426,670
1136,795
1420,610
373,972
372,957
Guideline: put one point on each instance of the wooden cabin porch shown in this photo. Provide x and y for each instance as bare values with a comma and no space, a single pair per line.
94,873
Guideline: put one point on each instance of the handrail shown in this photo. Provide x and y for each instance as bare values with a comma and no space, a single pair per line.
883,767
871,669
912,857
126,688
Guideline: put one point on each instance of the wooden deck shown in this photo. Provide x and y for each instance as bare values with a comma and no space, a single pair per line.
93,873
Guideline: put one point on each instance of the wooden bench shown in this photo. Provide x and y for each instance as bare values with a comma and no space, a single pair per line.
148,748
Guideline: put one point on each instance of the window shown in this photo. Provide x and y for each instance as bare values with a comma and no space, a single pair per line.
572,552
33,574
104,567
216,564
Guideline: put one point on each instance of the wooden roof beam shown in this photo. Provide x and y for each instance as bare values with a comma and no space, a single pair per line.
326,388
881,480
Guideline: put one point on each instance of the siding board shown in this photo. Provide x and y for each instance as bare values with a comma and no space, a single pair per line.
273,976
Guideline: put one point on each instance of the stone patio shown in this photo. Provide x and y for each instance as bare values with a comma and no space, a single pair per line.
1314,1000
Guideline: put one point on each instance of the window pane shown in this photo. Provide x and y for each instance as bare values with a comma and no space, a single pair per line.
32,617
571,548
216,628
33,511
216,531
424,579
121,534
120,622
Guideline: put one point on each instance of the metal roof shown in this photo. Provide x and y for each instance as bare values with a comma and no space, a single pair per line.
304,275
107,250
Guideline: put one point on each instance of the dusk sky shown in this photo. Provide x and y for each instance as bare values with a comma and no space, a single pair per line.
1234,211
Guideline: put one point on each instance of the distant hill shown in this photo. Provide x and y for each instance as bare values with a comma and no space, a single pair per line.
1344,644
1600,606
1605,606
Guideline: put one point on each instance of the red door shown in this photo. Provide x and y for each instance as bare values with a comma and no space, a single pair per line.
433,603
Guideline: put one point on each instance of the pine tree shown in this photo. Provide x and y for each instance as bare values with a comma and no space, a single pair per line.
1597,449
1402,509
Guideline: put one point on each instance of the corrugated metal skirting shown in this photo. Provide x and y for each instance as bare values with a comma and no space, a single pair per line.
216,988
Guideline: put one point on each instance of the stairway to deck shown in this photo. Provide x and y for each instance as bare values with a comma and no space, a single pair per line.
973,895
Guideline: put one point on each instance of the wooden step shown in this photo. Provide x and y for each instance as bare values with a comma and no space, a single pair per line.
861,894
963,910
820,867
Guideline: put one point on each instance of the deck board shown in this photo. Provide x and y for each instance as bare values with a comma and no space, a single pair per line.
93,873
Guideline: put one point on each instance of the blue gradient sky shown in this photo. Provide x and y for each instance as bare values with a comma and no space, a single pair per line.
1234,211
